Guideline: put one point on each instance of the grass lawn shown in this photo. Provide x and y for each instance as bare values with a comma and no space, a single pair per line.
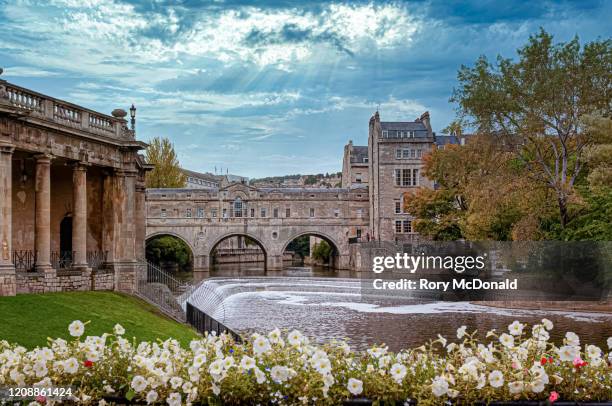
30,319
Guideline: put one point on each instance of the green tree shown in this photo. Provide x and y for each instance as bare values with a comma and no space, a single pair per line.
322,251
301,246
169,249
167,172
536,105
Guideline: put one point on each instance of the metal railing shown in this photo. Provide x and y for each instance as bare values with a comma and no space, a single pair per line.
207,324
96,259
62,259
162,290
24,260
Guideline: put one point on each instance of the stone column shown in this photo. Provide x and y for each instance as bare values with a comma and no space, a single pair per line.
8,285
79,216
42,241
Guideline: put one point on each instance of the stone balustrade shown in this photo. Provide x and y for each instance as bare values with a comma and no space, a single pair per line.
64,113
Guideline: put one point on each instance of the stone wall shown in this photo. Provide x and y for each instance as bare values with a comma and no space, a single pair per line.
64,281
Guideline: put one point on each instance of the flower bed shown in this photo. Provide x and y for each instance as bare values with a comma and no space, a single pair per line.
518,365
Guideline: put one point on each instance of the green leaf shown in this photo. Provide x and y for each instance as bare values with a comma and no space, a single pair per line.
130,394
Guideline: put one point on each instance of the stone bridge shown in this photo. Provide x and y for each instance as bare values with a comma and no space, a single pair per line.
272,217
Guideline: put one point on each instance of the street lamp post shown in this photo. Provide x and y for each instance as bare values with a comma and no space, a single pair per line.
133,116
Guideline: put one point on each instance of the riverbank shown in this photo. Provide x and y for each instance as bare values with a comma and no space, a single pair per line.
30,319
591,307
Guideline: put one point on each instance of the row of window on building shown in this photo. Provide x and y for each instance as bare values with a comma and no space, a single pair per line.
408,153
201,182
406,177
398,134
238,211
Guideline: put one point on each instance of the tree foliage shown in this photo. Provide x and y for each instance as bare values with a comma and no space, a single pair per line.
536,105
167,172
482,193
322,251
169,249
301,246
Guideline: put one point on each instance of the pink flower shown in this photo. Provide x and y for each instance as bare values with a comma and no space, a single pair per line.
553,396
579,363
41,399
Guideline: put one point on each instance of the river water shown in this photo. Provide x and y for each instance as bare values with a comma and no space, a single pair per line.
326,304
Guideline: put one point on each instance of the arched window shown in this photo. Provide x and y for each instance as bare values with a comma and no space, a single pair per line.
237,207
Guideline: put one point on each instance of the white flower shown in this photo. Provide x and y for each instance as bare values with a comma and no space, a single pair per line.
260,376
536,386
40,369
76,328
593,351
548,325
261,345
355,386
176,381
294,338
507,340
496,379
228,362
398,372
138,383
568,353
280,374
199,360
216,368
274,335
539,333
516,387
118,329
572,339
322,366
247,363
461,331
610,343
516,328
71,365
442,340
174,399
151,397
439,386
482,381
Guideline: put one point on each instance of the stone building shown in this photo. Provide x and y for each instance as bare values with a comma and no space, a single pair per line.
390,166
395,152
197,180
72,196
355,167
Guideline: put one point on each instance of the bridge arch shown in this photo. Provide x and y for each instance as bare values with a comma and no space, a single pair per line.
186,266
156,234
325,237
224,237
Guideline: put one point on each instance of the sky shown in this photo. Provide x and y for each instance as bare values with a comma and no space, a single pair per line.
270,88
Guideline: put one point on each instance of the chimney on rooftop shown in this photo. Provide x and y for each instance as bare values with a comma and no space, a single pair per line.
425,119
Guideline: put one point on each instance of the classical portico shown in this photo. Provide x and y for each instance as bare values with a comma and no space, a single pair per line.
71,196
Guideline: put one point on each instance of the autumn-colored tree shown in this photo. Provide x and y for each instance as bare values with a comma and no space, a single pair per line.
167,172
599,154
482,193
536,105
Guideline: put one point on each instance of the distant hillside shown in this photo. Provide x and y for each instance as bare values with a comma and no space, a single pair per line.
320,179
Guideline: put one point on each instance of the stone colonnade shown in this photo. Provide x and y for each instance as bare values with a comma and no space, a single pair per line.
122,234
